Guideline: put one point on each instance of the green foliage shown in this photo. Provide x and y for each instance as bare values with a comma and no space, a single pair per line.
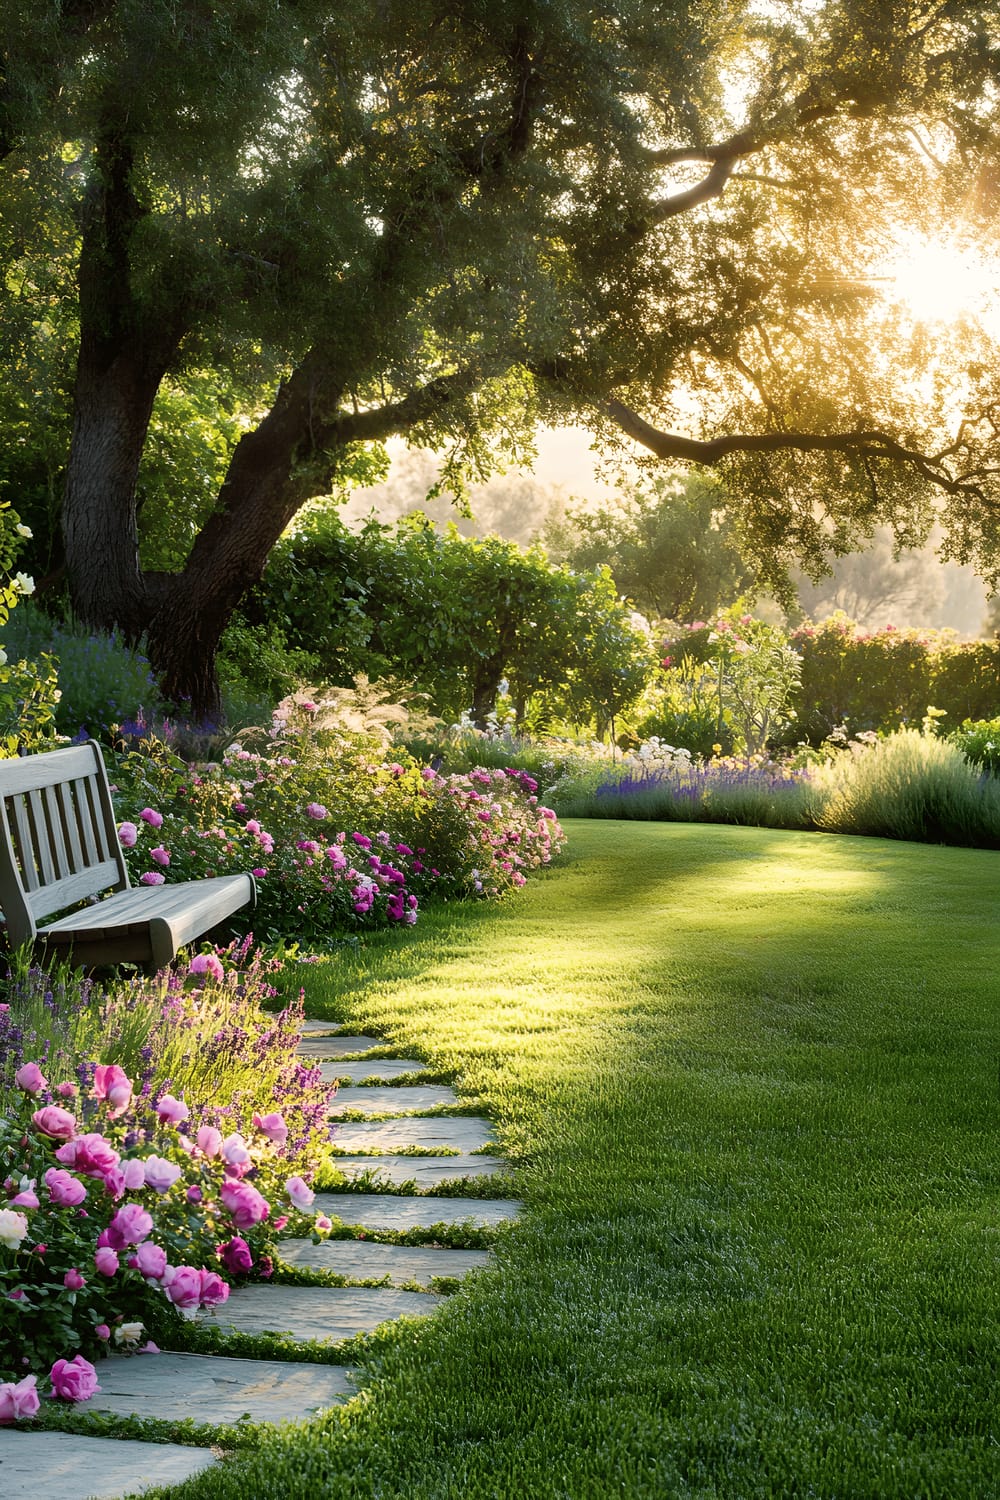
979,742
684,709
670,545
456,616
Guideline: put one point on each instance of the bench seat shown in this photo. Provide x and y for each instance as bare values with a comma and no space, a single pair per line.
148,923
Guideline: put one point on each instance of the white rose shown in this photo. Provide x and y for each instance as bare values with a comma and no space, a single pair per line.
128,1333
13,1228
23,583
24,531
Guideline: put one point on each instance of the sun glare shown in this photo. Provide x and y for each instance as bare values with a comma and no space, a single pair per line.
943,281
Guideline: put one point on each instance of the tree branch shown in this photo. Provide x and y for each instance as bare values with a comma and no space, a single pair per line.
866,444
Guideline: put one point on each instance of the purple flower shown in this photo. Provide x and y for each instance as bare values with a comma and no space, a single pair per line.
151,877
316,810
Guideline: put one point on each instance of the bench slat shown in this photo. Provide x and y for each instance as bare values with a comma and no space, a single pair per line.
69,799
23,842
42,844
54,824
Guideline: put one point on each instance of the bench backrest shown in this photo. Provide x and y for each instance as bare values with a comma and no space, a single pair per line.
58,836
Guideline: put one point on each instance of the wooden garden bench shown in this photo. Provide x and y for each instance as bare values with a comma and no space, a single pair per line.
59,846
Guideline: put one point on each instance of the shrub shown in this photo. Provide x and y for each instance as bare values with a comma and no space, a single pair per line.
177,1110
339,835
910,786
101,681
979,742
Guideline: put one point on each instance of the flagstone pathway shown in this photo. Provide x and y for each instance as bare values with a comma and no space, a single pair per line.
224,1390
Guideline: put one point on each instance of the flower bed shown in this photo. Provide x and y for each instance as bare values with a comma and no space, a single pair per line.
339,835
137,1193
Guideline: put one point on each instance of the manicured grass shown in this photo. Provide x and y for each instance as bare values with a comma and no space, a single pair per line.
750,1079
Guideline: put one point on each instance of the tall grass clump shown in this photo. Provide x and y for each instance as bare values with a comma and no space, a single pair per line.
754,792
909,786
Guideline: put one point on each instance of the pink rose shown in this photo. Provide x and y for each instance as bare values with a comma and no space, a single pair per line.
65,1190
253,826
103,1331
151,1261
55,1122
152,817
273,1126
300,1192
89,1154
316,810
194,1193
17,1401
207,963
130,1225
160,856
323,1224
133,1174
244,1203
214,1291
151,877
67,1090
209,1141
111,1084
26,1198
235,1151
74,1379
160,1174
30,1079
127,835
171,1111
236,1256
73,1281
182,1285
106,1260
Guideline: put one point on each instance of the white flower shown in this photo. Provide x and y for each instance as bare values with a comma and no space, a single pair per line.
3,661
13,1228
128,1333
24,531
23,583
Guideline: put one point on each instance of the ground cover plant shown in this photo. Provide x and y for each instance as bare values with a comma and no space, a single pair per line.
155,1135
748,1077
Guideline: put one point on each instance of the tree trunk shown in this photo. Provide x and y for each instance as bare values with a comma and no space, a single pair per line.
111,418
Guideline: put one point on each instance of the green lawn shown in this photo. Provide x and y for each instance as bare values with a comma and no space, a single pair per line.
751,1081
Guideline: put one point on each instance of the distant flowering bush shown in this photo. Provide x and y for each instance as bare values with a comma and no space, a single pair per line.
337,833
130,1188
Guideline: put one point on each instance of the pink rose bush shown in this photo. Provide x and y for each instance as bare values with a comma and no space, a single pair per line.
337,835
140,1201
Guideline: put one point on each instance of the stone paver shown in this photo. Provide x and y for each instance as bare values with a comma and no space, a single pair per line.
426,1171
396,1211
321,1028
390,1101
366,1260
316,1312
462,1132
336,1046
216,1388
379,1067
62,1466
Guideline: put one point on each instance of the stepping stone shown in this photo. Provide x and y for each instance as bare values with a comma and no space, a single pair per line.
425,1171
62,1466
462,1132
388,1101
336,1046
315,1312
321,1028
367,1260
380,1067
210,1388
394,1211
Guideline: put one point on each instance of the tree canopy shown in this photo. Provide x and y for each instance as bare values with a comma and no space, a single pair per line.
671,221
